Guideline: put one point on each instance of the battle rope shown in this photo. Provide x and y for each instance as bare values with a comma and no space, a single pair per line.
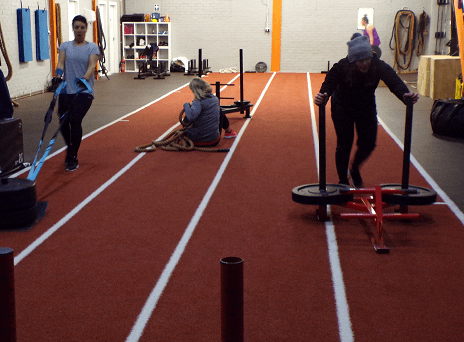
177,141
101,45
5,55
405,23
59,35
422,32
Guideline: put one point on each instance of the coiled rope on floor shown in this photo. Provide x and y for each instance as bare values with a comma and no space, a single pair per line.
403,33
177,141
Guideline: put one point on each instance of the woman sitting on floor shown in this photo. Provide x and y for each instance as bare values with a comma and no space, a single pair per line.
204,112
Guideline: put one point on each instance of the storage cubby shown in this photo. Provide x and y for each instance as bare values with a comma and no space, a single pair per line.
138,35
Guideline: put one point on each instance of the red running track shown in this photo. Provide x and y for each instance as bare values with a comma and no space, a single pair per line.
133,241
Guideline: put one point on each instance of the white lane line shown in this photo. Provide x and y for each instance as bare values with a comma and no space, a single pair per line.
105,126
341,303
80,206
29,249
149,307
454,208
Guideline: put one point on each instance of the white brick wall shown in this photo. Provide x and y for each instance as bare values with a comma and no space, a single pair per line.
219,27
314,32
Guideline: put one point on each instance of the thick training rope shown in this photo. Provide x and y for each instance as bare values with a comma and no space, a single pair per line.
177,141
422,32
5,55
405,23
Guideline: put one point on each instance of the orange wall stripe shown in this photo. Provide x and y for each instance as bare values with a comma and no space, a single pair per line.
276,34
460,29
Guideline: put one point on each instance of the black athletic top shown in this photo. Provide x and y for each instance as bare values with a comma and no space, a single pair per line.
354,90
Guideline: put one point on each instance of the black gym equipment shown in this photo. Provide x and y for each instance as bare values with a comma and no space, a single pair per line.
411,194
11,146
19,208
321,193
261,67
203,66
370,201
158,69
238,106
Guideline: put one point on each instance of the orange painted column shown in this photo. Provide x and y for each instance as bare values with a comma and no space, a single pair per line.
53,43
276,34
460,29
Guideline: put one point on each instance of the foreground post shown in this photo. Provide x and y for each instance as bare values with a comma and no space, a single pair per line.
7,296
232,299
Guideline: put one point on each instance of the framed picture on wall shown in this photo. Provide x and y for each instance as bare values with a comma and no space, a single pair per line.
369,13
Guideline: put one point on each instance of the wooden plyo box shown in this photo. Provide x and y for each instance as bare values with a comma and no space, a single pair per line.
437,76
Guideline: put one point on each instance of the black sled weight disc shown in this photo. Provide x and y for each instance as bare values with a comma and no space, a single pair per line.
313,195
18,218
18,203
414,195
17,194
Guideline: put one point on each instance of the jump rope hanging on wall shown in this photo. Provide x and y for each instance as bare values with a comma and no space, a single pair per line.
403,34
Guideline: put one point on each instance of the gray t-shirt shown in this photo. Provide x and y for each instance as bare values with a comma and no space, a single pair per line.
77,62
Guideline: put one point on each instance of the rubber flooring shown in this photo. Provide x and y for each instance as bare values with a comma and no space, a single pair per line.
130,246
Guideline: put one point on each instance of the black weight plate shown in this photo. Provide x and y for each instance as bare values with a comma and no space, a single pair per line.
417,195
19,218
14,203
14,187
310,194
17,194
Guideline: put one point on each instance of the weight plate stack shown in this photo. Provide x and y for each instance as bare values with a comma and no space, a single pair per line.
18,203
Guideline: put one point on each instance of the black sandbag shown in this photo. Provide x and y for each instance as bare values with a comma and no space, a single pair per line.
447,118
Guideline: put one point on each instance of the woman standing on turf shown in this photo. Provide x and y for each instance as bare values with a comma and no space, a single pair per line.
77,59
352,83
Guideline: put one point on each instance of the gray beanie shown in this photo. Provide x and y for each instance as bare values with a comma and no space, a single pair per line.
359,48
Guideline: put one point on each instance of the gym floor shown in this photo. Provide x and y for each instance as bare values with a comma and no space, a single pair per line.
441,157
130,244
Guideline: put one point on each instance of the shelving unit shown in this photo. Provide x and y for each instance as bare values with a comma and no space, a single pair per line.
138,35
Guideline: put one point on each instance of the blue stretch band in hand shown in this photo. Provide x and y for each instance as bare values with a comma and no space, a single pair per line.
59,72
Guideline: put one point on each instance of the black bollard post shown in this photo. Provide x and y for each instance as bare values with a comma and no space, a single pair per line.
7,296
407,145
322,150
241,76
218,92
200,64
232,300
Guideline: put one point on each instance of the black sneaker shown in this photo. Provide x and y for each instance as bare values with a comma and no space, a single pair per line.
345,183
356,178
72,164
